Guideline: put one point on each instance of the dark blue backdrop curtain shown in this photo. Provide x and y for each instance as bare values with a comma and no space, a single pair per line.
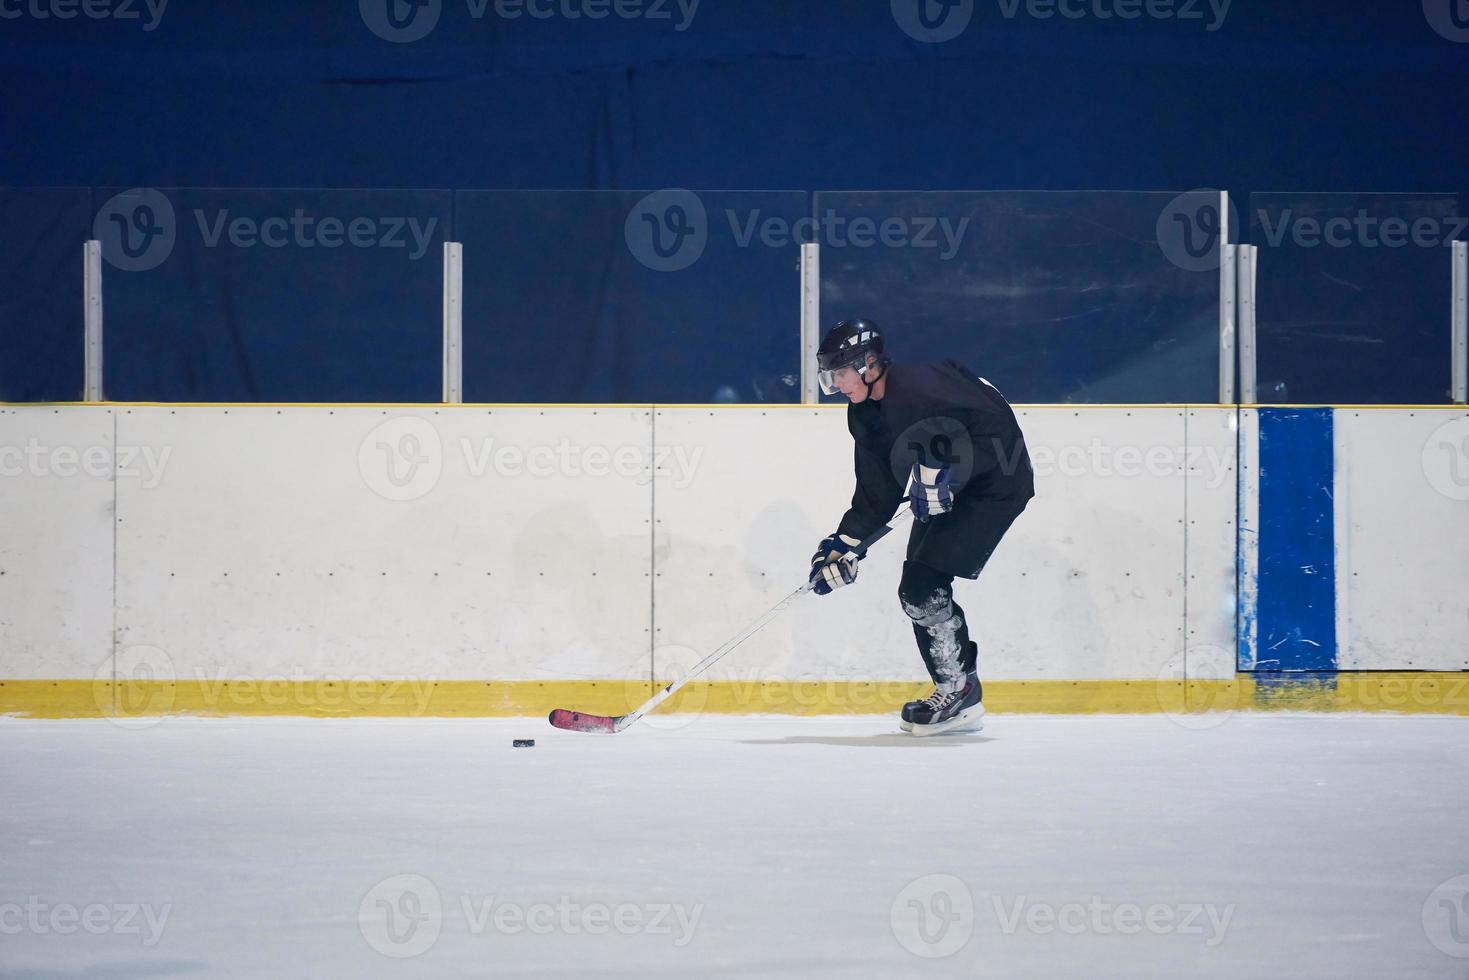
762,94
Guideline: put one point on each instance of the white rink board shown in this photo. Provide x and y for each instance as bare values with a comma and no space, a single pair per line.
1211,506
271,548
255,541
1089,581
56,486
1402,539
770,484
1087,584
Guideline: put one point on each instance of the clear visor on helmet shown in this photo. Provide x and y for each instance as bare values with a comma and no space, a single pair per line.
831,380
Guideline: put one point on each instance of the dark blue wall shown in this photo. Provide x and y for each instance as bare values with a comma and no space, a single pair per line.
754,95
771,94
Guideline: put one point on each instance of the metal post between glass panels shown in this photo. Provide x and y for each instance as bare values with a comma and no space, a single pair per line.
1460,344
453,363
1228,286
92,321
810,320
1248,261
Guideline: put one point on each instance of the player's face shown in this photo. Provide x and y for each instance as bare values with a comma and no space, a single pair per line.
850,383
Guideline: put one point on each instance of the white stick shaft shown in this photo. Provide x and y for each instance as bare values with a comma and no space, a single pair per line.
670,689
703,665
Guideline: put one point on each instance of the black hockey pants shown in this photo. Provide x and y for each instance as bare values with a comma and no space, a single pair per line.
959,543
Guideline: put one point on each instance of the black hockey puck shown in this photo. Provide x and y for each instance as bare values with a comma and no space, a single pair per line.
523,743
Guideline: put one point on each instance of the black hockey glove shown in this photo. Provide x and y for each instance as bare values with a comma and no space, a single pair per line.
829,568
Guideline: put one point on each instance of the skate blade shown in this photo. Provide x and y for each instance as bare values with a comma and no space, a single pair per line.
906,726
966,721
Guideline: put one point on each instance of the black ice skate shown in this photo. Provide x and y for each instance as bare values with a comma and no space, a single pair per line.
947,711
969,663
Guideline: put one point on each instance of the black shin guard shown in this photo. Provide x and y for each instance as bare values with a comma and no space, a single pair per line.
927,596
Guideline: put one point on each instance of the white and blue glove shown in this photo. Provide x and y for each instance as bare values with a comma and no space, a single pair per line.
930,493
830,568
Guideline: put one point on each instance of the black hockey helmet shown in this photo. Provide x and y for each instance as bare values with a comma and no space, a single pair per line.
846,346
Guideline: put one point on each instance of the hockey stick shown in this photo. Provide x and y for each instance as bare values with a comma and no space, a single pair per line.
577,721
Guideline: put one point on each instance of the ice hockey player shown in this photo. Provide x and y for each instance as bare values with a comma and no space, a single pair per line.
953,440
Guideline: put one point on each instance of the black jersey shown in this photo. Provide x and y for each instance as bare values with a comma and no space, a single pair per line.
939,414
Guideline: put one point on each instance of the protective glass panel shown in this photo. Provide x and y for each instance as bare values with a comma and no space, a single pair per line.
1052,296
1354,296
629,296
42,231
273,295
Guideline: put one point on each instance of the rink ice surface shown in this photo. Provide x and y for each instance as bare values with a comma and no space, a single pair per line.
1309,845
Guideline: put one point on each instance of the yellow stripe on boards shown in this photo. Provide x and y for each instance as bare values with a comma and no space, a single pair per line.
1419,693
